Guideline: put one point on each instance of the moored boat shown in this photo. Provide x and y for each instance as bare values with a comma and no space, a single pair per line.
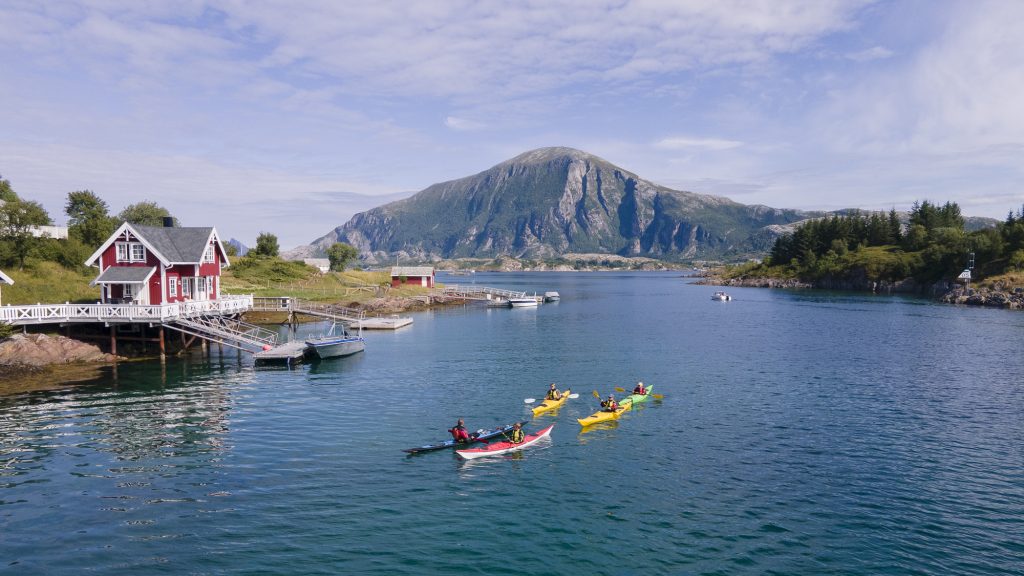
551,404
721,296
604,415
478,436
333,345
497,448
523,302
552,296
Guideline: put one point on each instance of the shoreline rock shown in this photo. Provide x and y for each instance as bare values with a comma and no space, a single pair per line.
33,352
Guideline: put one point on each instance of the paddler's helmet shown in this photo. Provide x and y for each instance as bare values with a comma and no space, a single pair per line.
517,425
552,385
611,396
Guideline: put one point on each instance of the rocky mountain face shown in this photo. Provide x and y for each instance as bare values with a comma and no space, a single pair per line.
553,201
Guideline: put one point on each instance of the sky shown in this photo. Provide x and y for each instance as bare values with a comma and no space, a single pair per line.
289,117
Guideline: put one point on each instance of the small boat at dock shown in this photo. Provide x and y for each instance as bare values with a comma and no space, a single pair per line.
523,302
552,296
333,345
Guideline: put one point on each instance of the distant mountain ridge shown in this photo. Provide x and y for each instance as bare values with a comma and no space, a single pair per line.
552,201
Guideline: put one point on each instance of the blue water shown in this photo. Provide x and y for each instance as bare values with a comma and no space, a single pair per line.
800,433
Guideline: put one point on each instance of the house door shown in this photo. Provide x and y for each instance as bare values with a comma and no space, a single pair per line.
423,281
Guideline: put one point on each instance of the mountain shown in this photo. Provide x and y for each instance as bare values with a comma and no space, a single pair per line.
552,201
241,249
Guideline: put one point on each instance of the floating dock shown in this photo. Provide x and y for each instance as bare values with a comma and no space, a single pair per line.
393,323
288,353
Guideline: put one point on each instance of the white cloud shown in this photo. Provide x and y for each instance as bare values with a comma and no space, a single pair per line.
688,143
869,54
462,124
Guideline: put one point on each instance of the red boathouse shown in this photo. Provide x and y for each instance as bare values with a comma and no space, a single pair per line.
412,275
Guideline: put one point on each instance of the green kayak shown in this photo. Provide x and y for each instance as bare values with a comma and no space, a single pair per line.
638,398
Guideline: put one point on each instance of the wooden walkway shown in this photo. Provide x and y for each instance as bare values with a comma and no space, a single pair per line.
349,316
474,292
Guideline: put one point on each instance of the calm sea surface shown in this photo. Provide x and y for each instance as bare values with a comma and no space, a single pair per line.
800,433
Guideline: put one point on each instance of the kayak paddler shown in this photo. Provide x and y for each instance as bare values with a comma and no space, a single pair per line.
640,389
610,405
517,434
553,393
459,432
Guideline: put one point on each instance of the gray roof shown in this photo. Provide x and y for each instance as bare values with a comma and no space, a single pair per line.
125,275
5,279
412,271
176,244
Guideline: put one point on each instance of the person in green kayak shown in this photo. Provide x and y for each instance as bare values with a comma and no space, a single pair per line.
459,432
517,436
640,389
610,405
553,393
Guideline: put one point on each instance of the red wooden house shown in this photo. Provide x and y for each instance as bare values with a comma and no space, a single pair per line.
154,265
414,275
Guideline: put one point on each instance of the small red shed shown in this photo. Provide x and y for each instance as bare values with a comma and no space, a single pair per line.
412,275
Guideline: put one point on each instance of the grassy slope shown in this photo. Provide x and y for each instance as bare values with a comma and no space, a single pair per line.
50,283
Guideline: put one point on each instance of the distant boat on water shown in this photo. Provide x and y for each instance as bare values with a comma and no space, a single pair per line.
552,296
721,296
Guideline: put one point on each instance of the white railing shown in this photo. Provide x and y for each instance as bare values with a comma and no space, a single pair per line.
57,313
472,290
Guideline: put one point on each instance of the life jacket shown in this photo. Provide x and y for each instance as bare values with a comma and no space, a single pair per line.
459,433
553,395
517,436
640,390
610,405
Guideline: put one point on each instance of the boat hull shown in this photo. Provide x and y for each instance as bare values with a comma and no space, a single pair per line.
477,436
523,302
551,404
498,448
604,415
335,347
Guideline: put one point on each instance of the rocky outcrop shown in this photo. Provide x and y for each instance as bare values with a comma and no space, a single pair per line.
28,351
986,297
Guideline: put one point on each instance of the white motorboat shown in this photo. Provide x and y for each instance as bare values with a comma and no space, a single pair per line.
721,296
333,345
523,302
552,296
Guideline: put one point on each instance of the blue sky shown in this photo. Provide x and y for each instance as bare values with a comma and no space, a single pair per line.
289,117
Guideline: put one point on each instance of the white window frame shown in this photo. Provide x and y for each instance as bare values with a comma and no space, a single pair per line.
129,291
208,254
131,252
186,288
201,286
172,287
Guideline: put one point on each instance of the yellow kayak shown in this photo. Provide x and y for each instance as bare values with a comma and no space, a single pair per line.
604,415
551,404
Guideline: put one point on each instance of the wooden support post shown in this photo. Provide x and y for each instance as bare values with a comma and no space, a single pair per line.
113,340
163,347
204,347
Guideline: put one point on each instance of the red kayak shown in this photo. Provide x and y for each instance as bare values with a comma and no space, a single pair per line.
496,448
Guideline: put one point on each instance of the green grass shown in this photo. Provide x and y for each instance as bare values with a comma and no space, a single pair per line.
275,277
50,283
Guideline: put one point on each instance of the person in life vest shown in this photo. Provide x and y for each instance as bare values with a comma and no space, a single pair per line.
517,436
459,432
553,393
610,405
640,389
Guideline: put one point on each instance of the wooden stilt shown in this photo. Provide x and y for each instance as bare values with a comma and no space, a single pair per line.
113,340
163,346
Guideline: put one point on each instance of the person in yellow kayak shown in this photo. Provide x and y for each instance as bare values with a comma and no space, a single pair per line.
553,393
459,432
610,405
517,436
640,389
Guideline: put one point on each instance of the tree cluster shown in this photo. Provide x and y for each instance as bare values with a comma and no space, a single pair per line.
933,245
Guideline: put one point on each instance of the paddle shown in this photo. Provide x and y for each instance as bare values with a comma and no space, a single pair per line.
573,396
529,400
